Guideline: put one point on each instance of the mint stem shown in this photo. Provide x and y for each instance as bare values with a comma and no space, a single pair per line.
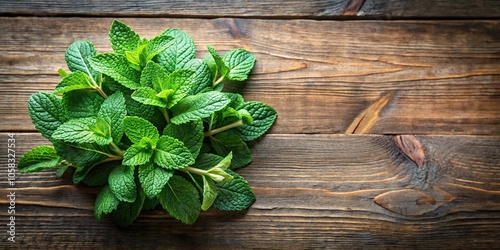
218,81
194,170
224,128
165,114
101,92
117,149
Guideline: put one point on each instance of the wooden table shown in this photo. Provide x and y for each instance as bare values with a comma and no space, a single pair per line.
349,80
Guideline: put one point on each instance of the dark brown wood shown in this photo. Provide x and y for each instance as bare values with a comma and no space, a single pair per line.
314,9
313,191
444,76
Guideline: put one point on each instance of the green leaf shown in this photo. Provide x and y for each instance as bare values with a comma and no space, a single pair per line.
179,53
222,68
157,45
236,100
181,81
137,155
212,66
207,161
181,200
136,57
99,174
148,96
234,195
191,134
153,75
137,128
122,183
62,72
102,132
38,158
126,213
209,193
82,103
171,153
77,57
46,113
263,118
150,204
198,106
74,81
218,172
123,38
105,203
117,67
240,62
224,143
153,178
76,130
113,110
203,76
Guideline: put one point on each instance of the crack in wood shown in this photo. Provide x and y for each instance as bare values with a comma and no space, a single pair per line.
365,121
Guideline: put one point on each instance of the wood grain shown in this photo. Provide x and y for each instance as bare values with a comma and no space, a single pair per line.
313,9
313,191
444,76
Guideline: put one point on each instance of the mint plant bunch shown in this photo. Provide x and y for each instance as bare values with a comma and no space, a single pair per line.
150,124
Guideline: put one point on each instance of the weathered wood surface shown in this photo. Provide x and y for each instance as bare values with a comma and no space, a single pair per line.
443,77
314,191
311,9
437,79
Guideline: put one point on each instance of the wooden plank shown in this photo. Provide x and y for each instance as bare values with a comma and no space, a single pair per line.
444,76
313,191
314,9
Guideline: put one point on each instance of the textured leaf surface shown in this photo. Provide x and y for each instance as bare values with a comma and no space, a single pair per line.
82,103
77,58
203,76
209,193
240,62
126,212
148,96
117,67
137,128
46,113
122,37
181,199
191,134
180,81
105,203
76,130
38,158
198,106
224,143
263,118
171,153
136,155
122,183
73,81
179,53
234,195
113,110
153,178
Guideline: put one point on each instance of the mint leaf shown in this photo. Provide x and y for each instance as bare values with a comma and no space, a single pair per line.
157,45
76,130
137,128
181,200
148,96
209,193
122,183
191,134
127,212
102,132
236,100
203,76
38,158
73,81
240,62
113,110
234,195
207,161
117,67
105,203
153,75
263,118
224,143
137,155
198,106
221,67
82,103
170,153
179,53
180,81
123,38
153,178
99,174
46,113
77,58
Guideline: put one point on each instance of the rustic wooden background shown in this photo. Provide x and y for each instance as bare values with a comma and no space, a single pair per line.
348,79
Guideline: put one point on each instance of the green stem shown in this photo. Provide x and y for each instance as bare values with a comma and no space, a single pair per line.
194,170
218,81
101,92
117,149
165,114
112,158
224,128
